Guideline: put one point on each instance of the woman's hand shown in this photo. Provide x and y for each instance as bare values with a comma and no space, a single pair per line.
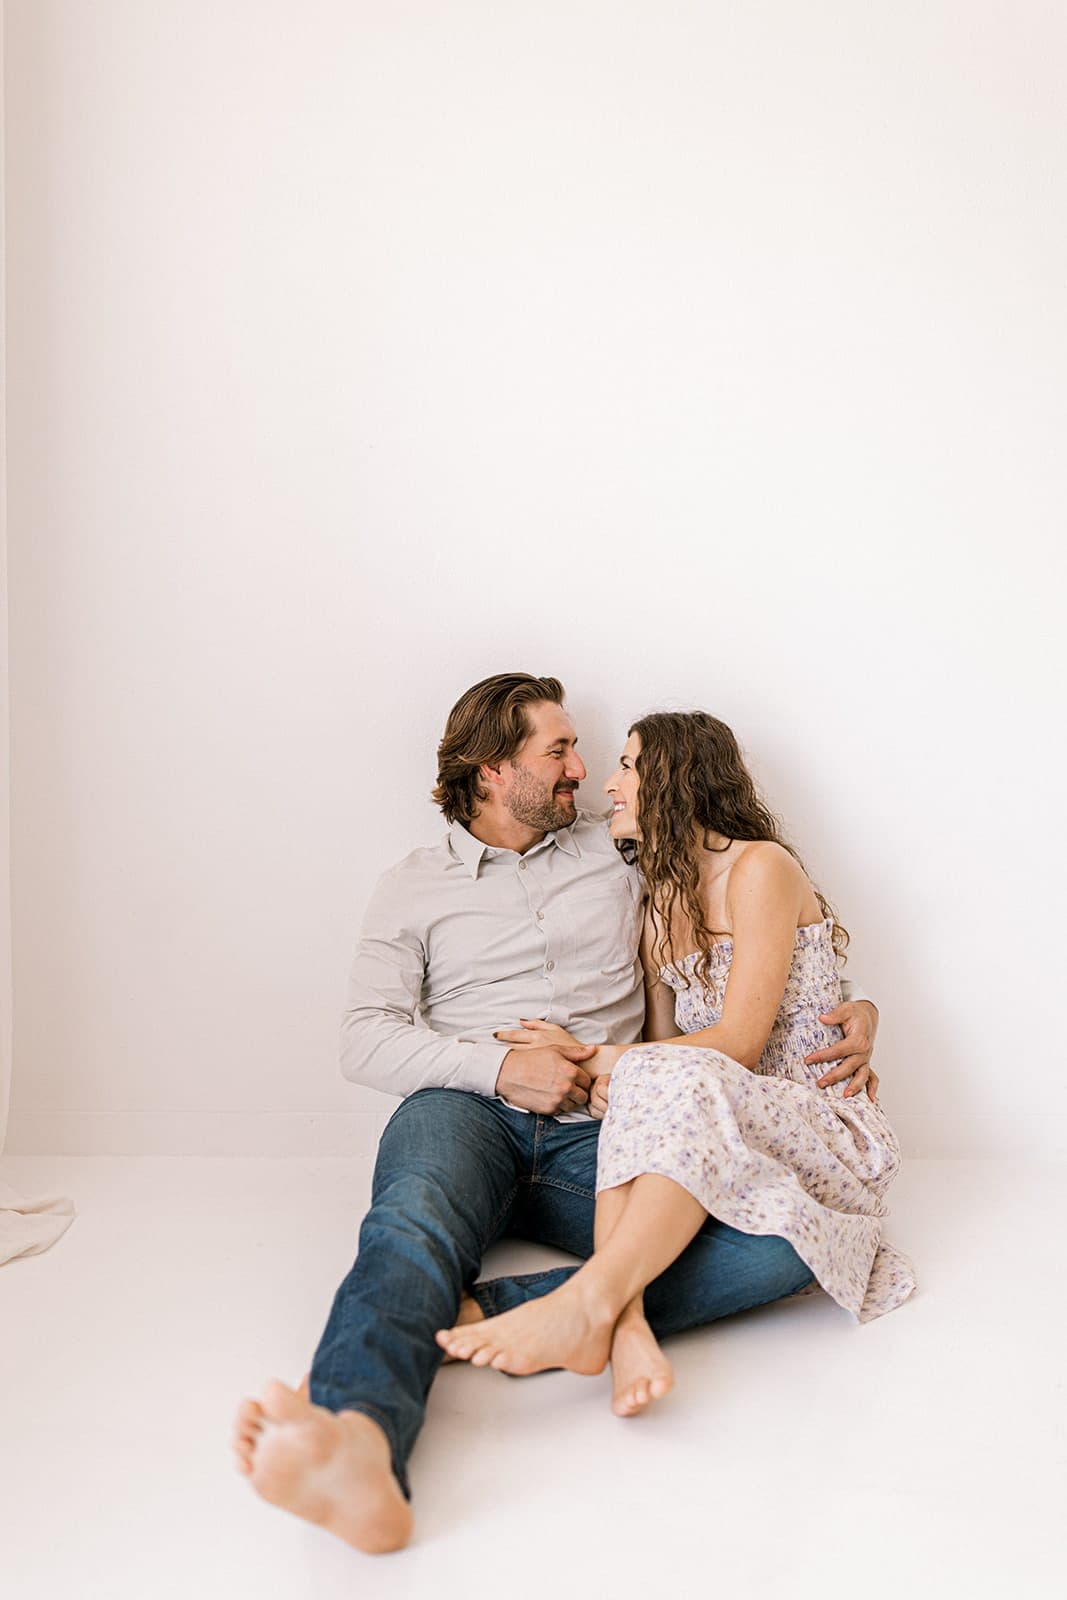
535,1031
598,1096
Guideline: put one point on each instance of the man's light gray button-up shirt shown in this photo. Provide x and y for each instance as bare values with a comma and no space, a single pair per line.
460,939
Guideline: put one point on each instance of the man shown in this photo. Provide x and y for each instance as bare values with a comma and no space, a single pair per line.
526,909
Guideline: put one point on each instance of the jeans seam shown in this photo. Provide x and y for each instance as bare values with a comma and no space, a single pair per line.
486,1296
536,1277
538,1149
568,1188
472,1289
502,1213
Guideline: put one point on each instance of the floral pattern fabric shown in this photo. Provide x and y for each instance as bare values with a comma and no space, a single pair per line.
766,1151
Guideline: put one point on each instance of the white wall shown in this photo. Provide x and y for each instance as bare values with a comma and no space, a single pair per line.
700,354
5,729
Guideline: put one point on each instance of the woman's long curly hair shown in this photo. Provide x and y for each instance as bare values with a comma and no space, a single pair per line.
693,778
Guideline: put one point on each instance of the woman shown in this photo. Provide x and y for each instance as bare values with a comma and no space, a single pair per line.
724,1118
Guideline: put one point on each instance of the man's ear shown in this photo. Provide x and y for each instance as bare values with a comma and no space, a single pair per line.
494,776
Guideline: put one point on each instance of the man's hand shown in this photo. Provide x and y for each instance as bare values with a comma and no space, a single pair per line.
598,1096
859,1019
546,1078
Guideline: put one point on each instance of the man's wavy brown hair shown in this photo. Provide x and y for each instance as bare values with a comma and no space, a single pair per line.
693,779
488,724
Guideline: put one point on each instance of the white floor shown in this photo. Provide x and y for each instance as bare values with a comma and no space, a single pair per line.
800,1455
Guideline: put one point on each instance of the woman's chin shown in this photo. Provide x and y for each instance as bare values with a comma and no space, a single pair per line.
622,828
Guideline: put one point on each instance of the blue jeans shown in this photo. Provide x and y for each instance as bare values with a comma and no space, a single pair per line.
455,1171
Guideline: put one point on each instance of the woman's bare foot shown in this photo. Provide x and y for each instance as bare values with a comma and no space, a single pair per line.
571,1327
640,1372
332,1469
469,1311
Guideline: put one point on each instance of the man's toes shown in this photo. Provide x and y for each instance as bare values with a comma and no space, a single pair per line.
482,1356
249,1416
660,1387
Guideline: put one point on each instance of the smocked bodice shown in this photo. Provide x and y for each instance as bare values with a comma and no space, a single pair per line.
812,986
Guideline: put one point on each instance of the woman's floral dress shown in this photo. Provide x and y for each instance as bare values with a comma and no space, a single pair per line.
766,1151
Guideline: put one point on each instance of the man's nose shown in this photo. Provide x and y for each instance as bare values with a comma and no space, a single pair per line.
575,767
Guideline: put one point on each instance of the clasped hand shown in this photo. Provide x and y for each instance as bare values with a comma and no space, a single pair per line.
548,1070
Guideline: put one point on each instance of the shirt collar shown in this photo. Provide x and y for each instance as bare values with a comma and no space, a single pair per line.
471,850
566,841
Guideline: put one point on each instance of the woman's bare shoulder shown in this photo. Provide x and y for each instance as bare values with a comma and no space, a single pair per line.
766,867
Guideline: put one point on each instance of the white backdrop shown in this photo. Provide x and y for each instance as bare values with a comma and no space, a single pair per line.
5,739
699,354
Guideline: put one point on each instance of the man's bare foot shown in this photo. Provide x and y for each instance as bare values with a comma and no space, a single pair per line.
332,1469
469,1311
571,1327
640,1372
247,1427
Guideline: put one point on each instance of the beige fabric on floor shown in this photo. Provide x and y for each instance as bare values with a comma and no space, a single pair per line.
29,1226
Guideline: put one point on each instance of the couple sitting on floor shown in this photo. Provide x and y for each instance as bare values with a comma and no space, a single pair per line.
631,1044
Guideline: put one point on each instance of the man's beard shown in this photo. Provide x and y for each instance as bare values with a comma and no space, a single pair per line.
535,805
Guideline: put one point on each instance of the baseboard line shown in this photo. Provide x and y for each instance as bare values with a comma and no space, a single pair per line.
197,1133
966,1136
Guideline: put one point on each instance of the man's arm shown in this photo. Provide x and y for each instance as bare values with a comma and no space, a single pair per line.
383,1047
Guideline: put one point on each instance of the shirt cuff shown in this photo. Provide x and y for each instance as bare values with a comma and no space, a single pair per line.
482,1067
851,992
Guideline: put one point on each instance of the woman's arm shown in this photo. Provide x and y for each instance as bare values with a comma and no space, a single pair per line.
764,897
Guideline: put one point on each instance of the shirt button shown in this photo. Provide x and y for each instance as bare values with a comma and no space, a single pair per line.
522,866
540,916
550,966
